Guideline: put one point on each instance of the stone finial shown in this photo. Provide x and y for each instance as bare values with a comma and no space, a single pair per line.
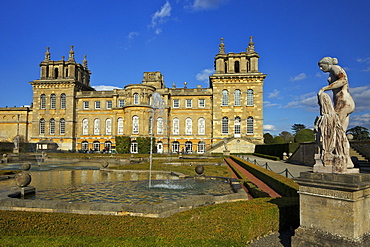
250,48
222,46
71,54
47,54
84,62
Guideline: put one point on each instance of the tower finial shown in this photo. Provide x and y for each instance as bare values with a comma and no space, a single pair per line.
222,46
84,62
250,48
47,54
71,54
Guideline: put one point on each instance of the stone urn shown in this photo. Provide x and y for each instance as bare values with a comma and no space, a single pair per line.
199,169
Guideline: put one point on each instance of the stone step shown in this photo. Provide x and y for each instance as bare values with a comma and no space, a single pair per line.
353,152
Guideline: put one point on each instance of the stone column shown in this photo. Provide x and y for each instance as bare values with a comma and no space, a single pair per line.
334,210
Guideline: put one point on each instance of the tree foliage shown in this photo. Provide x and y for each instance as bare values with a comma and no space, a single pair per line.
298,127
359,133
288,137
268,138
278,140
304,135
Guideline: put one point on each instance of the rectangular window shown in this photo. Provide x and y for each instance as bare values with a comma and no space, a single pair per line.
189,103
121,103
201,103
109,104
97,104
86,105
176,103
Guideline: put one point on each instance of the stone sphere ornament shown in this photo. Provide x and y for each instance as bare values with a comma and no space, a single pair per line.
26,166
199,169
23,179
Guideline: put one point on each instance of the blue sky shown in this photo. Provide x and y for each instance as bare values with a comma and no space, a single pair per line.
180,38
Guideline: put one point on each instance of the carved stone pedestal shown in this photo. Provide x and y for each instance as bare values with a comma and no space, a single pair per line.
334,210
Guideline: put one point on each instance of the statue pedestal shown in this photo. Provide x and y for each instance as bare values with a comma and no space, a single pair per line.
226,152
15,151
334,210
319,167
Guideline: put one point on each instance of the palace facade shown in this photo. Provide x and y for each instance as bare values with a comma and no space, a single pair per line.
68,113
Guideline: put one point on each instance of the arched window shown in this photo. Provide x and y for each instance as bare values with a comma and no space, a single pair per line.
201,147
134,148
42,101
85,127
250,97
159,147
160,126
42,126
188,147
176,126
237,97
52,126
63,101
237,67
136,98
108,146
250,126
53,101
96,146
84,145
175,147
225,126
62,126
188,126
201,126
120,126
97,126
135,125
237,126
225,98
108,126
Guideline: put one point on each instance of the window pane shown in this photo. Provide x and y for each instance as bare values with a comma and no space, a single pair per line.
43,101
120,126
86,104
188,127
225,98
96,127
250,97
62,126
250,127
176,103
109,104
63,100
225,126
42,126
237,97
85,127
97,104
53,101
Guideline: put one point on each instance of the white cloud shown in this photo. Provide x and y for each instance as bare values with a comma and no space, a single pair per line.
204,75
273,94
132,35
361,96
206,4
360,120
299,77
160,17
269,127
269,104
105,88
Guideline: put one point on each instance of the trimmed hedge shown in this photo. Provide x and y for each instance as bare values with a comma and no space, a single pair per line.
277,149
284,186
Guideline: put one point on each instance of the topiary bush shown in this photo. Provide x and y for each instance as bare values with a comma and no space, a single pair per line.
304,135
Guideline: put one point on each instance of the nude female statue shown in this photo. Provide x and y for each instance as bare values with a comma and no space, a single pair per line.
338,83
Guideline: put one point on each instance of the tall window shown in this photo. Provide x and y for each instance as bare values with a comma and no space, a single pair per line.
52,126
250,126
160,126
42,126
237,126
175,147
109,104
176,103
250,97
201,126
225,98
225,126
135,125
237,97
43,101
62,126
136,99
176,126
53,101
85,127
189,103
63,101
201,147
97,104
201,103
97,126
108,126
120,126
188,126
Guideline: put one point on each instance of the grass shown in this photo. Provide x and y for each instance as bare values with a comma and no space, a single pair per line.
228,224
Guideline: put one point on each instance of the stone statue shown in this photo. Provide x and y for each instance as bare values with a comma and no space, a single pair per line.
331,126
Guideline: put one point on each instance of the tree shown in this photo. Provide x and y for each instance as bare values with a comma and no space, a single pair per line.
298,127
278,140
288,137
359,133
268,138
304,135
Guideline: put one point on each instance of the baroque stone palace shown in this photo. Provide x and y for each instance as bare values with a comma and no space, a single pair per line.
68,113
